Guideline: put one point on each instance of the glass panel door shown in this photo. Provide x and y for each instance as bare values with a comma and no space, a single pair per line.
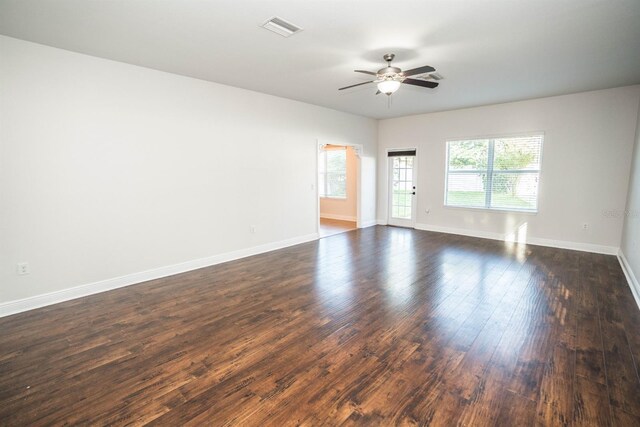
402,190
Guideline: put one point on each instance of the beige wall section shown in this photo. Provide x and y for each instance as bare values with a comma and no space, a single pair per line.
345,209
109,170
585,165
631,233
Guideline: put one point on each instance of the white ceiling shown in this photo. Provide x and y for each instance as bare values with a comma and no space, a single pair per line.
488,51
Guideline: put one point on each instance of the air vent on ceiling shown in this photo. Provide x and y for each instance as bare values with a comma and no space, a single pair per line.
280,26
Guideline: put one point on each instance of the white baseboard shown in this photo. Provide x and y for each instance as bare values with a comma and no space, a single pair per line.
37,301
631,277
381,221
338,217
370,223
576,246
459,231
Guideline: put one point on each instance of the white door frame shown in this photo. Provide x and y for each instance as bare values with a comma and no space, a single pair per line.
409,223
357,149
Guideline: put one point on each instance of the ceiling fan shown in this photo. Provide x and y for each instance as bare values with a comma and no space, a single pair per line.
388,79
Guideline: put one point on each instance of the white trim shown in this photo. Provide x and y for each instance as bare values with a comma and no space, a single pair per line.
631,278
493,210
460,231
369,223
381,222
576,246
338,217
18,306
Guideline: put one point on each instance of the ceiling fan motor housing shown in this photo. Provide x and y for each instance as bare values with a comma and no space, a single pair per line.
389,70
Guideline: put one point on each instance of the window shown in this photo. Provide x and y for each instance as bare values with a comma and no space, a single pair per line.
494,173
332,180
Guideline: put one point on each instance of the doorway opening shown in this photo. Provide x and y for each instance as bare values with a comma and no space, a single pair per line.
402,188
338,195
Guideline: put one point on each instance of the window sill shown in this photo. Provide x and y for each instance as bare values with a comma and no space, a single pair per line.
333,197
496,210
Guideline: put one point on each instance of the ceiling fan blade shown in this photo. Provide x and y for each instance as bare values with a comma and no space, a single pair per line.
366,72
422,83
419,70
359,84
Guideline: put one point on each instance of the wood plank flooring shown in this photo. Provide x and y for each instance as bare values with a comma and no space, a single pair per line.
378,326
330,227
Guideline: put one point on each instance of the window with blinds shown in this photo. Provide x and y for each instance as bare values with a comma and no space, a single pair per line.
332,178
494,173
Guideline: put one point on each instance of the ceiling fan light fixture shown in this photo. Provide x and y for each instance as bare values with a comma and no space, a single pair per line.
388,86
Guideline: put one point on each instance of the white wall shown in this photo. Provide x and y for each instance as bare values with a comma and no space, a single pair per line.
630,247
347,208
585,166
108,169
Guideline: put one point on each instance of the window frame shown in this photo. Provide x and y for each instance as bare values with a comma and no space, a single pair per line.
490,172
322,190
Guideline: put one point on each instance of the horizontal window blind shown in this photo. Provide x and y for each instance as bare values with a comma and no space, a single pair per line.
494,173
332,176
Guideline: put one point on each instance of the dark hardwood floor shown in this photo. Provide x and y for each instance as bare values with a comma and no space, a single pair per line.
329,227
378,326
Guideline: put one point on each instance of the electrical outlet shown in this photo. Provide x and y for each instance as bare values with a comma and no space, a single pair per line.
252,229
22,268
585,226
